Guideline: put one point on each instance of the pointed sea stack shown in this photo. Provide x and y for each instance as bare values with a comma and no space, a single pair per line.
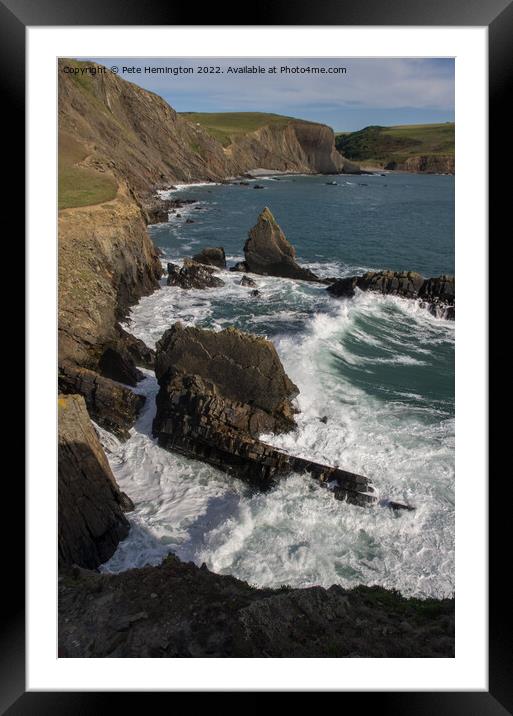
268,253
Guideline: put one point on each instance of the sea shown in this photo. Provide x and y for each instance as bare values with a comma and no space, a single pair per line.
376,381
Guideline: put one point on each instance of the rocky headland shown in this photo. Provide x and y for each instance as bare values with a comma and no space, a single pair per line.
436,294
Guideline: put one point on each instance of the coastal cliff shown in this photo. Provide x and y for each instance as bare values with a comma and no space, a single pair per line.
117,145
417,148
110,125
296,147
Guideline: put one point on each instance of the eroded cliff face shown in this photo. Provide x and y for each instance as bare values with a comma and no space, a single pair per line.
139,137
134,133
106,263
298,147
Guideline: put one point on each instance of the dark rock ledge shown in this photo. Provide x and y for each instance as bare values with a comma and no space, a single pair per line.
436,294
218,393
113,406
181,610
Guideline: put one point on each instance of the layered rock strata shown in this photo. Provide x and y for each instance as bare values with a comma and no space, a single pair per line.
218,393
113,406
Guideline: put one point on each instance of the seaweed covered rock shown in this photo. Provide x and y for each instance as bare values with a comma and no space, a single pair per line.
267,251
91,506
192,275
211,256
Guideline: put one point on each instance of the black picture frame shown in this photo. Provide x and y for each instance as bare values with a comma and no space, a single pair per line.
497,15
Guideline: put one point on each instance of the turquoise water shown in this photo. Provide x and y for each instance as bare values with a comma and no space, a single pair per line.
380,370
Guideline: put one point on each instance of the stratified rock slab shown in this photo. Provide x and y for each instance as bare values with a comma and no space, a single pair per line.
267,251
218,393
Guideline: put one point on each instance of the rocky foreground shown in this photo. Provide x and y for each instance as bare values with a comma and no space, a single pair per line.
181,610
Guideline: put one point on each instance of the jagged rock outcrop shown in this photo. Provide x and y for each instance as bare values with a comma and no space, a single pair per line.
211,256
91,506
437,294
181,610
247,281
267,251
192,275
106,263
110,404
218,393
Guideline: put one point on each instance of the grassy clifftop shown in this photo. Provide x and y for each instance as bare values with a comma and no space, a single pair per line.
397,144
79,184
226,126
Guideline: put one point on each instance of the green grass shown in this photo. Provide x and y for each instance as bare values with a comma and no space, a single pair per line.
384,144
226,126
80,186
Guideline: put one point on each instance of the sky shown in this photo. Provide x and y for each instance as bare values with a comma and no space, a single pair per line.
372,91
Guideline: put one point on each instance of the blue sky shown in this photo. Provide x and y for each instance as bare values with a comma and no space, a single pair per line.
373,91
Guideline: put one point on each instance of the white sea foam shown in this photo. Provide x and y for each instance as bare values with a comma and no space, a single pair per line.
298,534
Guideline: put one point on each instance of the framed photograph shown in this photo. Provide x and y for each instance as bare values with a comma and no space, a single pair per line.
257,426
